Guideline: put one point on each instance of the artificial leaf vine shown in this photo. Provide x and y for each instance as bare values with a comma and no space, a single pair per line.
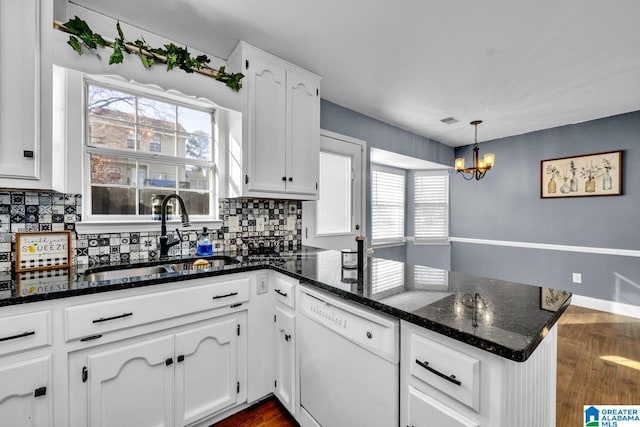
172,56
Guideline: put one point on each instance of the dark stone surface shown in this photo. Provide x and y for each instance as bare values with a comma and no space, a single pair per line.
504,318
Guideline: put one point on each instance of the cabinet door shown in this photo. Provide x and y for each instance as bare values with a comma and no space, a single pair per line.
19,84
425,411
206,370
267,132
285,358
132,386
25,394
303,134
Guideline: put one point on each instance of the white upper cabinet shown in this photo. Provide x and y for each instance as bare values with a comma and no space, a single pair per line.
25,93
281,126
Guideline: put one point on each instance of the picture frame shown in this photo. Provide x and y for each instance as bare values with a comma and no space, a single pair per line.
588,175
552,299
43,250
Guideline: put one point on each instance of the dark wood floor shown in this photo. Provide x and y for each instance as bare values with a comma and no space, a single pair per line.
598,363
267,413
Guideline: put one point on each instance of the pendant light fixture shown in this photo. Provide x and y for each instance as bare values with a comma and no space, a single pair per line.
480,166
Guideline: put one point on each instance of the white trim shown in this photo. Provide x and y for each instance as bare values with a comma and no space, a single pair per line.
145,226
550,247
604,305
387,244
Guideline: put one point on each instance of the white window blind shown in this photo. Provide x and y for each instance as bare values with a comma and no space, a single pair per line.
431,206
387,206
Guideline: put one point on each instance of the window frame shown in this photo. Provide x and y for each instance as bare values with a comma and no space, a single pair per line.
442,238
89,219
396,240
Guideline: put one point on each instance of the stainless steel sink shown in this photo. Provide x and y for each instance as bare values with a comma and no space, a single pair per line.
98,276
125,273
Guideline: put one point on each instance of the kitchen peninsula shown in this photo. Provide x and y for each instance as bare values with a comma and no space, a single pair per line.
470,350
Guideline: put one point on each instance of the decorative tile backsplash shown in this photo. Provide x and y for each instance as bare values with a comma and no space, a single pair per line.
260,221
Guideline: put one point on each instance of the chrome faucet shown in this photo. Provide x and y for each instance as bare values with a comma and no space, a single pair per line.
167,241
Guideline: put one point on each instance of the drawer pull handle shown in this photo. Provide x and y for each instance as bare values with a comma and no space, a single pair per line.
450,378
369,334
284,294
226,295
91,338
106,319
22,335
40,391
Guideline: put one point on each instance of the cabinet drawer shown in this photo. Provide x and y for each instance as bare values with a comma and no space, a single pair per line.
24,332
100,317
446,369
283,289
426,411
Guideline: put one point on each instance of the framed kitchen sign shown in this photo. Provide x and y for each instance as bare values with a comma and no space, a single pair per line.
598,174
43,250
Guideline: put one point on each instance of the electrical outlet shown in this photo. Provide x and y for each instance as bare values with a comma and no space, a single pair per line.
577,277
262,282
291,222
234,224
260,223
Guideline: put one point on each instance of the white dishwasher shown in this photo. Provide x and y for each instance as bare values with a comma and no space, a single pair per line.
348,361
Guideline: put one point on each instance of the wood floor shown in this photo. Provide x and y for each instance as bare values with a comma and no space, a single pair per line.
267,413
598,363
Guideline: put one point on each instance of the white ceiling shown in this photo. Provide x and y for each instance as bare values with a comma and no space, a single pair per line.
519,66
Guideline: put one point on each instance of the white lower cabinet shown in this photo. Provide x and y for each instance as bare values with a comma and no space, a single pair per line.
446,383
174,379
206,370
425,411
131,385
25,393
285,356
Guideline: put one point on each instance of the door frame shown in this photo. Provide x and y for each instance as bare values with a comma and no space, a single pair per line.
362,221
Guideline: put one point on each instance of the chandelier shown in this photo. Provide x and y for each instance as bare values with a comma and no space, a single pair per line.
480,166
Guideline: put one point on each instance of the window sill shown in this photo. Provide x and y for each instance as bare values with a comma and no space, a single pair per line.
97,227
421,242
388,244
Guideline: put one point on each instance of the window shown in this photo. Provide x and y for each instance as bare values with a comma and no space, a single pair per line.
131,140
139,146
431,206
334,205
387,205
156,143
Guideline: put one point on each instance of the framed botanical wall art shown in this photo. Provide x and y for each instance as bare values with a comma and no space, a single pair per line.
552,299
598,174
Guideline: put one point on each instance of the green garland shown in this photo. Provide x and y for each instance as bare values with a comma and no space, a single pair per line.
171,55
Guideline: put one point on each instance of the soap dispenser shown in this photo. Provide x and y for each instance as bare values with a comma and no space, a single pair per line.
204,244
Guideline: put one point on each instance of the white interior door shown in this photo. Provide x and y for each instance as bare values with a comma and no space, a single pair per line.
337,217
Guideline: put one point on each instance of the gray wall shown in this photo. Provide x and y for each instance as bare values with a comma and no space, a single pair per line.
382,135
506,205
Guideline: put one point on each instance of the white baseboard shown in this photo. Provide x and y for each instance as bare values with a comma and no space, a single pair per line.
608,306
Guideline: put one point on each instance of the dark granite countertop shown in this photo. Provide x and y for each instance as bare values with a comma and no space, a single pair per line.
505,318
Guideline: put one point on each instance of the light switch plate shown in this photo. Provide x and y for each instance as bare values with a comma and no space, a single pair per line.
262,282
260,223
291,222
234,224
